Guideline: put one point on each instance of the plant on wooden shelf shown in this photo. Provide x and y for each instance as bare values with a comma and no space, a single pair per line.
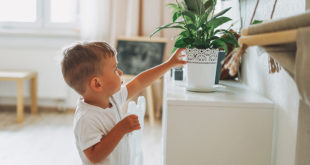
201,35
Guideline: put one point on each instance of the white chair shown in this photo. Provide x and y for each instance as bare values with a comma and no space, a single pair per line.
135,138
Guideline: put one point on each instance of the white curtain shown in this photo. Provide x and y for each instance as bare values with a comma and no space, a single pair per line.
233,13
132,24
105,20
95,19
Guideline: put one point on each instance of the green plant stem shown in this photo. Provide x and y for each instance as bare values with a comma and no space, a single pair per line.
184,20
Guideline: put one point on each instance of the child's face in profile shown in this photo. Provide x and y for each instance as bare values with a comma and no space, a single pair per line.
111,75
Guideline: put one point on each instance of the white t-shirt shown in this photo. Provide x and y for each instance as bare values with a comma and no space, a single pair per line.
91,123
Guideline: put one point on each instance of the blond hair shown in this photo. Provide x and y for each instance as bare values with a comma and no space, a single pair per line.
82,61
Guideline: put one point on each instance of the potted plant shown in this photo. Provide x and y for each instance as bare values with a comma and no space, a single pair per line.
202,38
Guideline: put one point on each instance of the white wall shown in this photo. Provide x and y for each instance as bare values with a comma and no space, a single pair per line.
279,87
40,53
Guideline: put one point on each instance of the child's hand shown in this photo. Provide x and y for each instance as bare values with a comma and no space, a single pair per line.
176,58
129,124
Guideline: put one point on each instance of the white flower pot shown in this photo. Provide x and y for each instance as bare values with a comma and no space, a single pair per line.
201,69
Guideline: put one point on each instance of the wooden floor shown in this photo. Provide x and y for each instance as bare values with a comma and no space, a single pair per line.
48,139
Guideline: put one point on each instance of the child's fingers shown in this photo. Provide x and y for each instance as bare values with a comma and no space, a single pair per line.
136,122
132,116
179,50
181,56
137,127
184,62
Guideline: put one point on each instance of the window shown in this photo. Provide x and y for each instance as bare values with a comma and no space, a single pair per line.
39,14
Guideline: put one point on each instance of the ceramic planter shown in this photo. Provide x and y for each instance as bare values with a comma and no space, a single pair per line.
201,69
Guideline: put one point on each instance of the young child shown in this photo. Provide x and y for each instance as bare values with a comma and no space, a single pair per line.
99,126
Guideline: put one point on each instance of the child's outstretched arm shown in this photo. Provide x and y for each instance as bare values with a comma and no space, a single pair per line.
146,78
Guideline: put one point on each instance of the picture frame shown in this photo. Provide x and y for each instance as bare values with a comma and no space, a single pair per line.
137,54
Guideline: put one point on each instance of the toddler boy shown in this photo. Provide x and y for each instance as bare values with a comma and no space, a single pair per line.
100,128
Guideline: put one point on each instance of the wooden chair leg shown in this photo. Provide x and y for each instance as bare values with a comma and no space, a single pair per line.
34,95
20,101
150,104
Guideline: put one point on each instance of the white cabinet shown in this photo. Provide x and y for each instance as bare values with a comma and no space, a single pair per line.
232,126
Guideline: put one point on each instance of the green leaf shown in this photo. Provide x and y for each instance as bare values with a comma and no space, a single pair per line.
208,4
166,27
231,38
214,37
194,6
184,34
221,12
211,31
173,50
257,22
230,41
175,16
188,40
199,44
180,43
218,21
199,25
177,27
189,14
183,5
204,17
172,5
207,44
228,37
220,31
191,27
217,43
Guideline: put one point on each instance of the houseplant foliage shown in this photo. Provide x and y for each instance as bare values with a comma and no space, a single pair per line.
199,25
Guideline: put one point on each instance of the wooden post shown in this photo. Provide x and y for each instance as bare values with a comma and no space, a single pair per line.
150,104
140,26
34,94
20,101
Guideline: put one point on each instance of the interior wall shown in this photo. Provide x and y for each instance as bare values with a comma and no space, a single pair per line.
278,87
40,53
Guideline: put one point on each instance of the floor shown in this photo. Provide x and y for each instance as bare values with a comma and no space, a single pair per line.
47,138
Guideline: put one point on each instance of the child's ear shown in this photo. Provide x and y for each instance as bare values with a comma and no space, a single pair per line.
96,84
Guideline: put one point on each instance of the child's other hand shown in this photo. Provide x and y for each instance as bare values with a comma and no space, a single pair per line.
176,58
129,124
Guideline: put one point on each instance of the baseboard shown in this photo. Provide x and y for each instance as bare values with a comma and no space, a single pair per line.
12,108
44,103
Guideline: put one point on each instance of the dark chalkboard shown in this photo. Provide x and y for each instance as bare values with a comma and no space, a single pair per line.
136,55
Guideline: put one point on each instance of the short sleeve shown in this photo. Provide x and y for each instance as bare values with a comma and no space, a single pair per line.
87,133
121,95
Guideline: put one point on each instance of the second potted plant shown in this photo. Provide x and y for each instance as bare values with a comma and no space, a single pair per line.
201,35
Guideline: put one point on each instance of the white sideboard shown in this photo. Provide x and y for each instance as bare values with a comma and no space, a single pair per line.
232,126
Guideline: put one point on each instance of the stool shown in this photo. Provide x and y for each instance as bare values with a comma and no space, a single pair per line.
20,77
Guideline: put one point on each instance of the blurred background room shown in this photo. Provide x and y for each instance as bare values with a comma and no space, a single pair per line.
37,107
